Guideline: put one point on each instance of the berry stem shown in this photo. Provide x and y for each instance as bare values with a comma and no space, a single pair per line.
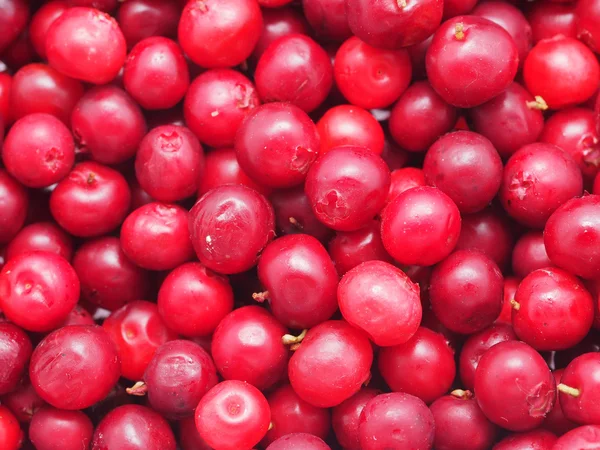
539,103
260,297
516,305
459,32
139,389
293,341
401,4
568,390
459,393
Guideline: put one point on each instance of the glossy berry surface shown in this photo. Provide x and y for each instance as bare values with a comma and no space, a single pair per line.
15,351
579,389
71,430
13,207
10,432
345,418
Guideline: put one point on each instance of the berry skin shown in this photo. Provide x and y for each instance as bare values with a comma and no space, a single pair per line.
51,429
67,378
90,37
420,227
581,437
345,418
13,18
42,237
233,415
579,389
41,22
514,387
347,187
38,290
382,301
141,19
471,60
300,281
299,440
327,18
562,70
13,208
536,439
230,226
15,351
529,254
571,236
11,434
315,369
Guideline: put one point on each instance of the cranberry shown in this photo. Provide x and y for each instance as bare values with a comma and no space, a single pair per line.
156,73
460,424
239,355
331,364
571,234
108,124
530,254
328,18
536,439
574,130
350,125
588,23
193,300
299,440
79,316
133,427
403,180
581,437
556,420
92,200
392,24
189,438
514,387
41,22
300,279
13,207
169,163
348,249
293,214
52,428
37,290
156,237
579,389
381,300
419,117
548,19
10,432
471,60
75,367
346,416
14,15
15,351
233,415
38,88
511,19
90,37
216,103
347,187
396,420
277,23
23,402
510,120
108,278
141,19
38,150
230,226
290,414
219,33
537,180
562,70
221,167
5,88
453,8
277,144
371,77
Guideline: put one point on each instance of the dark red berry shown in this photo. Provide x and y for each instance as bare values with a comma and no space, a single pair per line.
15,351
52,428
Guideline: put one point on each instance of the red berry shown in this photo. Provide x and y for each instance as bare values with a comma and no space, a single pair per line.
514,387
571,235
393,24
471,60
219,33
189,438
90,37
156,236
23,402
530,254
536,439
230,226
141,19
15,351
300,281
11,435
5,88
277,144
346,417
38,150
420,227
75,367
328,18
41,22
38,290
580,437
14,15
156,74
13,208
279,22
403,180
233,415
347,187
562,70
579,389
137,331
588,23
396,420
371,77
510,289
460,424
52,428
133,427
420,117
248,346
331,364
548,19
381,300
556,421
41,236
299,440
192,300
537,180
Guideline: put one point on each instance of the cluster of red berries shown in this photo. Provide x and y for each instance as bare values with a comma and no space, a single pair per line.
299,224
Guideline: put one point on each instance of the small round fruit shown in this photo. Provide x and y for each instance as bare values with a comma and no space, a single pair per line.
579,389
299,440
15,351
10,431
51,429
581,437
536,439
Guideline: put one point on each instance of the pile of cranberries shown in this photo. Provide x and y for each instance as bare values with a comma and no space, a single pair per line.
299,224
